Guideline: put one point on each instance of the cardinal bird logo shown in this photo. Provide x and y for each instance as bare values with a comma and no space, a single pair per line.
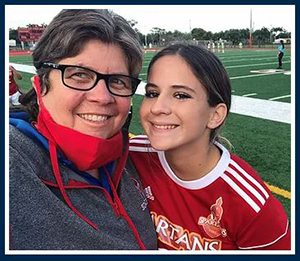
211,224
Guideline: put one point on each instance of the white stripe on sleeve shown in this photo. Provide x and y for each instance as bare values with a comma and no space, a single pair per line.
246,185
254,181
232,184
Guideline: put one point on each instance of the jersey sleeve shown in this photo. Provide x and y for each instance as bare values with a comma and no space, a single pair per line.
268,231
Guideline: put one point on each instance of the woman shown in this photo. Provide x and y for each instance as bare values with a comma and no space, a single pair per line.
200,196
280,54
70,187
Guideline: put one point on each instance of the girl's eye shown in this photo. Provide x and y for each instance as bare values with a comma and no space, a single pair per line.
182,96
151,94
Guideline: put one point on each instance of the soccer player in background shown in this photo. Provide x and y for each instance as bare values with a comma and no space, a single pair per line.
280,54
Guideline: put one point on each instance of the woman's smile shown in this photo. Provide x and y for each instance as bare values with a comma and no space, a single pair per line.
94,118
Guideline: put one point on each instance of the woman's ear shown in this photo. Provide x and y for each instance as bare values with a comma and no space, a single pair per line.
218,116
35,82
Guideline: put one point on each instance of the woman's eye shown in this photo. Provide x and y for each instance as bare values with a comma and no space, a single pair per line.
151,94
116,81
182,96
80,75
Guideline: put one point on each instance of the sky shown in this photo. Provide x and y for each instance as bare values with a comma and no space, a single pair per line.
214,18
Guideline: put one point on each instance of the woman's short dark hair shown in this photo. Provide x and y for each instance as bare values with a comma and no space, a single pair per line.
67,35
208,69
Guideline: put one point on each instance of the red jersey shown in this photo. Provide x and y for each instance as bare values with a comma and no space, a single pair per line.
13,87
229,208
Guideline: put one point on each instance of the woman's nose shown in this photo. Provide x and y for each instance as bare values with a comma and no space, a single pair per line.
100,93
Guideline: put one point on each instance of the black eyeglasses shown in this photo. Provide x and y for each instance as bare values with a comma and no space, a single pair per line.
84,79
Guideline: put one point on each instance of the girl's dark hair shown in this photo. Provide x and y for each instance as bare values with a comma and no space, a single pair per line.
208,70
67,35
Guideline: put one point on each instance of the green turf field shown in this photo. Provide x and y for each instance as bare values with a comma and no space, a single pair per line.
265,144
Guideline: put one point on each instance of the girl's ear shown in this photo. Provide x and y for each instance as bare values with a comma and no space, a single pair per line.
218,116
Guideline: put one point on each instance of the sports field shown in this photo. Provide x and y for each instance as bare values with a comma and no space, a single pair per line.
264,143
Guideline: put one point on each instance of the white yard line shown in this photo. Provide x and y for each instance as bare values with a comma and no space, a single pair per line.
242,76
258,108
264,109
249,65
250,94
24,68
244,56
254,75
279,97
243,65
253,59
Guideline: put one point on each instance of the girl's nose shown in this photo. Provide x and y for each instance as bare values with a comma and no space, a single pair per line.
161,105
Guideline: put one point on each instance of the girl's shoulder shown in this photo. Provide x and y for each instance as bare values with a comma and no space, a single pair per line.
243,167
140,143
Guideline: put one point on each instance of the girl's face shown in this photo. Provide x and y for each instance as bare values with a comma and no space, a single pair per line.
96,112
175,112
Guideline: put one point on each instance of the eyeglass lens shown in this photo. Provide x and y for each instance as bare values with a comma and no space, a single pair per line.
81,78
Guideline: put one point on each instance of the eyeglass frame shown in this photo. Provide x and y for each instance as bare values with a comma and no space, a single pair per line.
100,76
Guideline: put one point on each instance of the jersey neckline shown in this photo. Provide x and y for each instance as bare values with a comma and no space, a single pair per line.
202,182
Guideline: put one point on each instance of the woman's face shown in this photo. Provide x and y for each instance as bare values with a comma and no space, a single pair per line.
96,112
175,112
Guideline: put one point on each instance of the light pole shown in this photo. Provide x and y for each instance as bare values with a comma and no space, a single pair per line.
146,43
250,40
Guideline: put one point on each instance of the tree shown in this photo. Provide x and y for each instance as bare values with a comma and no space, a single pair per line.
280,32
261,36
275,31
132,23
208,35
198,33
244,35
13,35
156,35
219,35
284,35
233,35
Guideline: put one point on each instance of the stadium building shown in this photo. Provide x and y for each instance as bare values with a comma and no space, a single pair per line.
28,36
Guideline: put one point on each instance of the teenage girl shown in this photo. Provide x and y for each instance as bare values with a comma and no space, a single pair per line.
201,196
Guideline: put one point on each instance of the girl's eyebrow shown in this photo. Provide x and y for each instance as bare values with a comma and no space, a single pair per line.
176,87
184,87
149,84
